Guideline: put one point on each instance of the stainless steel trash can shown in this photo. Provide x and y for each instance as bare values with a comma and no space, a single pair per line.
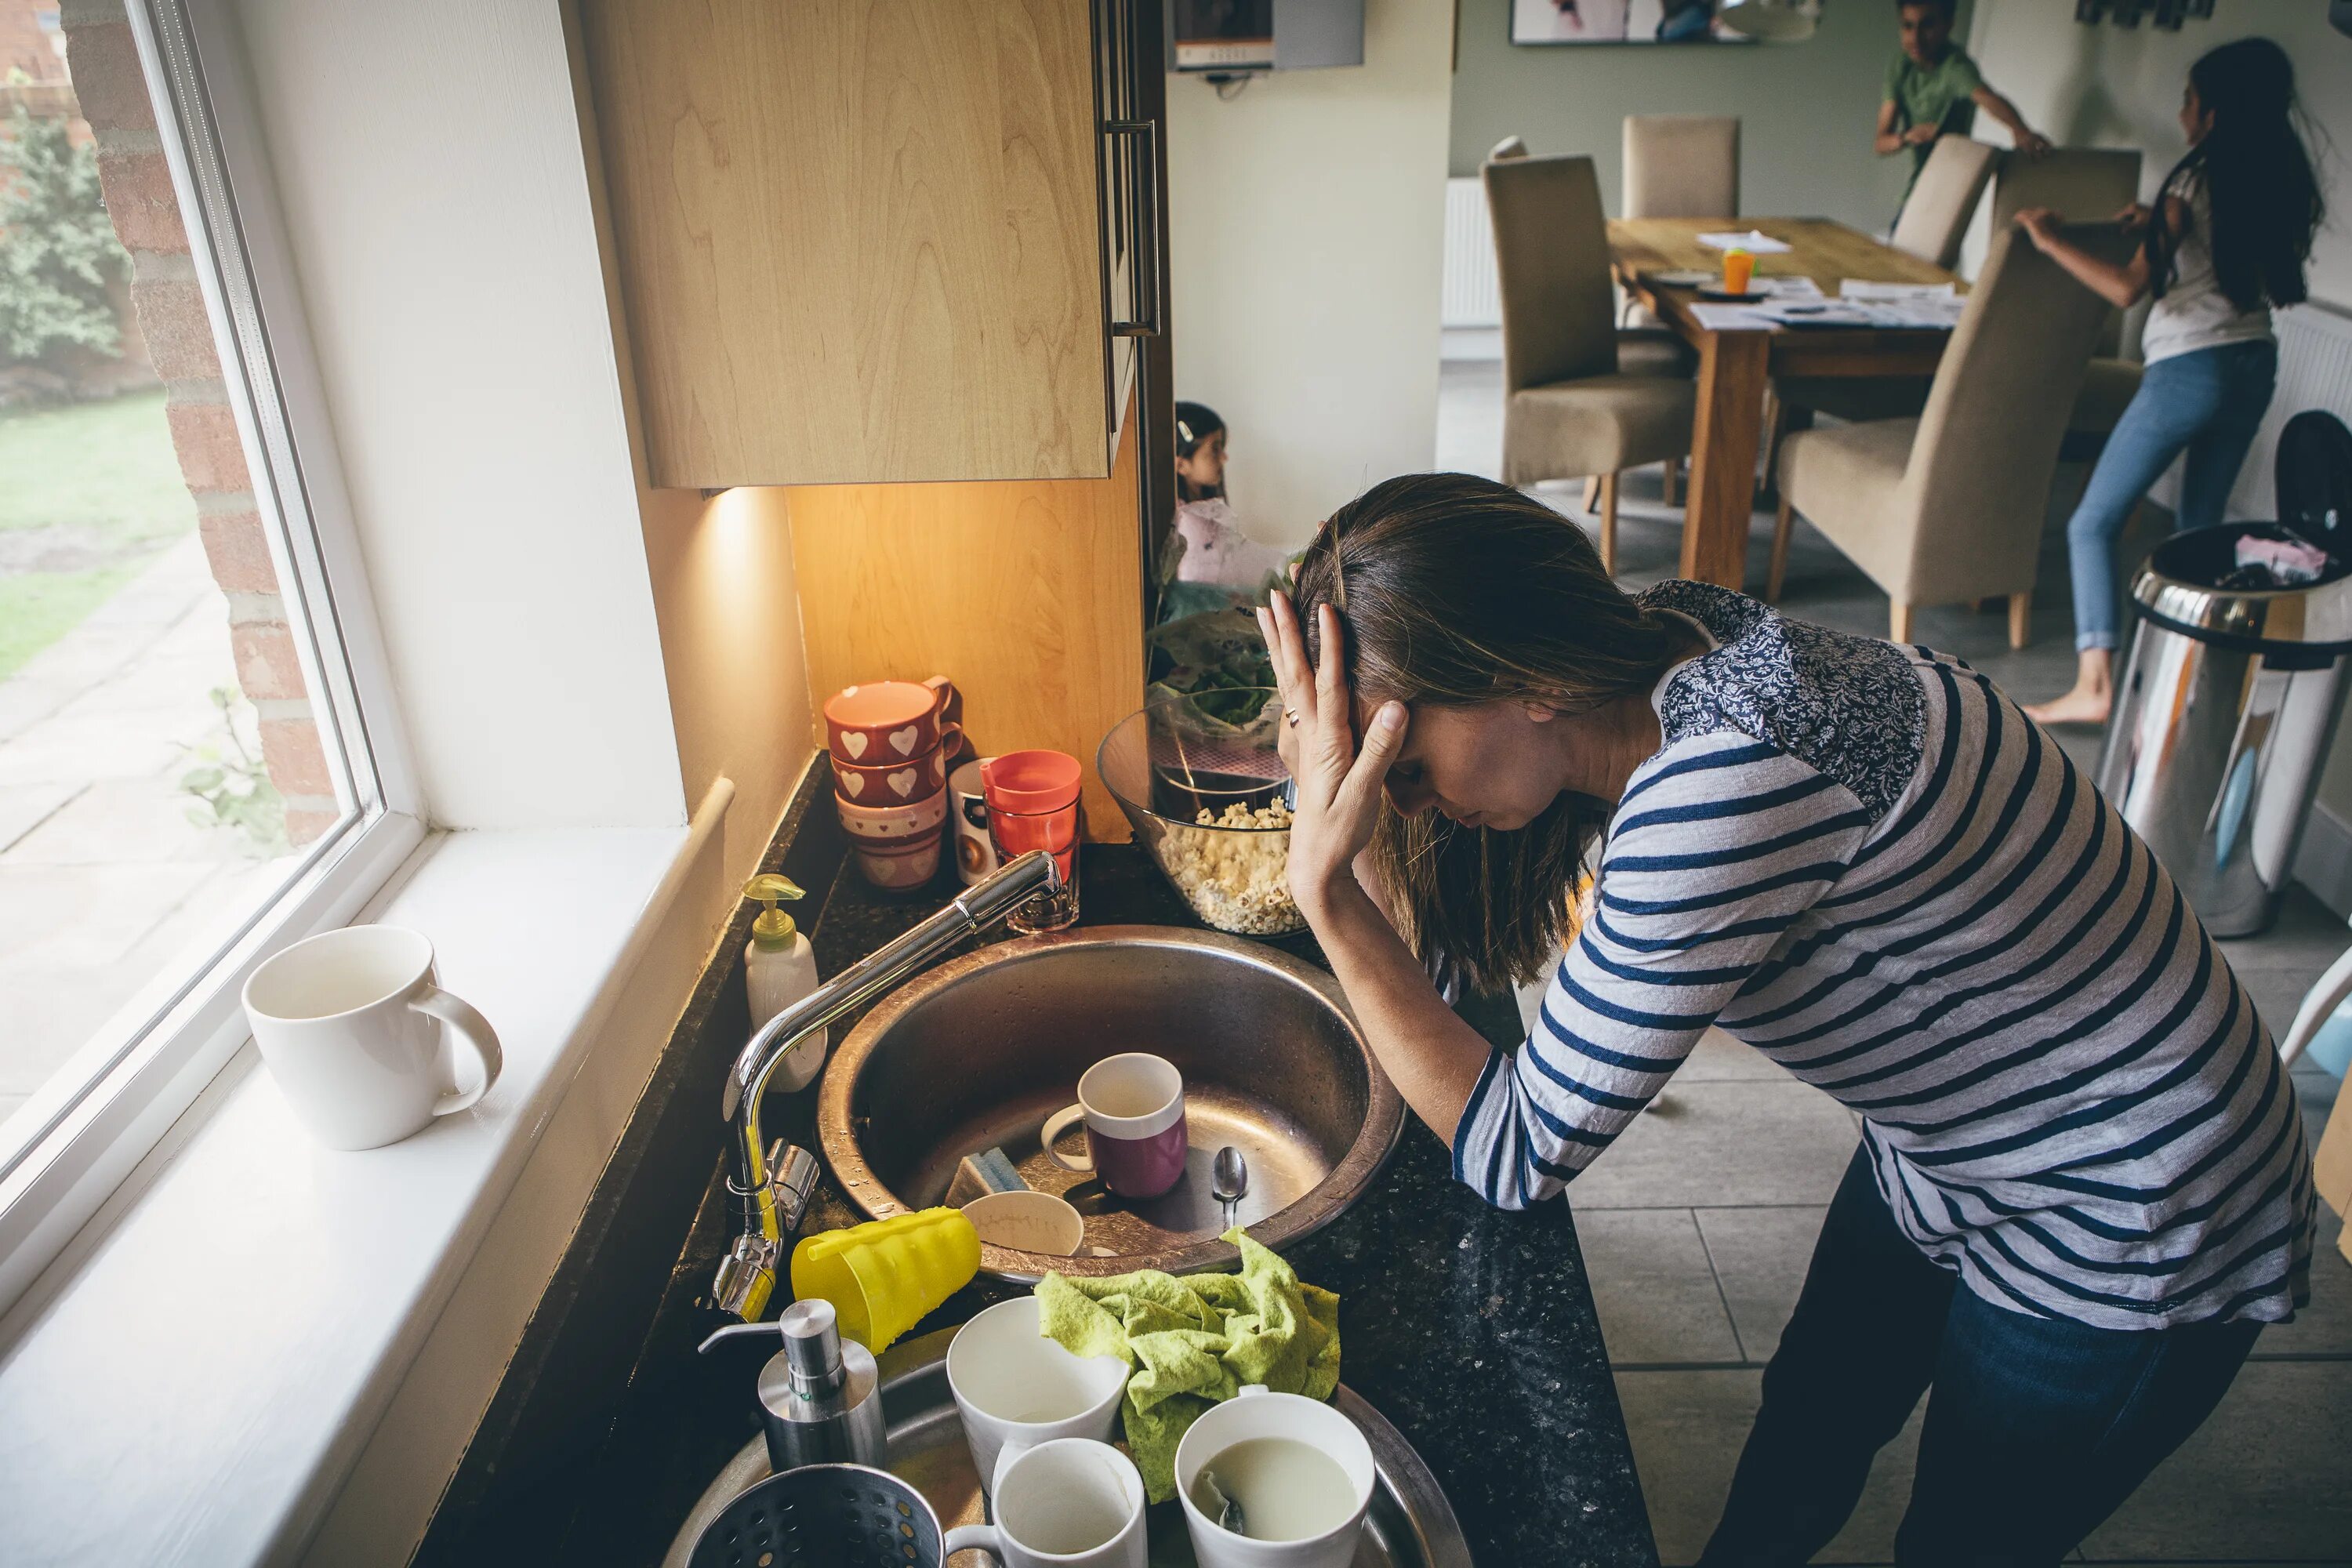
2223,717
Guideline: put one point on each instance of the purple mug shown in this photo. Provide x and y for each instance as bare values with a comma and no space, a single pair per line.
1133,1106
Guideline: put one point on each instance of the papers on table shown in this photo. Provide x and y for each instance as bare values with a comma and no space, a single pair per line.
1733,318
1752,242
1863,289
1803,308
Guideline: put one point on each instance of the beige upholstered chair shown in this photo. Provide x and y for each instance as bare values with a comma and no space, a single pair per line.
1682,165
2083,185
1570,405
1935,215
1947,508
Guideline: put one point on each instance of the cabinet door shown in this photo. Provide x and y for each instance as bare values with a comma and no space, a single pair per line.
857,239
1133,211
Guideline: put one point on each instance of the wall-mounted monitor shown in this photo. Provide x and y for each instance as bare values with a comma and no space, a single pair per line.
1239,37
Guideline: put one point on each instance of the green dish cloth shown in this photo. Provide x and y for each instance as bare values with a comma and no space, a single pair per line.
1195,1340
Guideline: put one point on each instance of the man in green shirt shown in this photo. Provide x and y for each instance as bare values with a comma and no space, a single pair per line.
1933,89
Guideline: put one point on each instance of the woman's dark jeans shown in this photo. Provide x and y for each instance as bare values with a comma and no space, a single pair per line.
2037,1429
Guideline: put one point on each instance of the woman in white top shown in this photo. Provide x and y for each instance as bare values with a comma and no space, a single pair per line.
2226,241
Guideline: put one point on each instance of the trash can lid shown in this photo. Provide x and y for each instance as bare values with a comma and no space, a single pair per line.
2182,588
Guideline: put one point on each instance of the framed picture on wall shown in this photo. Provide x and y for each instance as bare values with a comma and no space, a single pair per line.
1619,22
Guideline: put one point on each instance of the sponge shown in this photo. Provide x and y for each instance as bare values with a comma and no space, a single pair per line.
977,1175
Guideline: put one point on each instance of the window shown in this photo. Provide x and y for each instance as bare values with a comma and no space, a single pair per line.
196,761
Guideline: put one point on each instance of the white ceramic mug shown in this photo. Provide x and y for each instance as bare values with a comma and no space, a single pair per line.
1069,1503
1014,1387
355,1032
1254,1413
975,852
1133,1106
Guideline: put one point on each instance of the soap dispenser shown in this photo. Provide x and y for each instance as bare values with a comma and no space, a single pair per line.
779,969
821,1395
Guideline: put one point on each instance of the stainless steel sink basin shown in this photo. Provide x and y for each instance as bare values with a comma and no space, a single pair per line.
981,1050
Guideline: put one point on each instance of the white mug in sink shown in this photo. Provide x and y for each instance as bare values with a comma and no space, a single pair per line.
1016,1389
1327,1526
356,1033
1072,1502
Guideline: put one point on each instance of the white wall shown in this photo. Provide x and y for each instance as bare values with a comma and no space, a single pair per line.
429,161
1306,231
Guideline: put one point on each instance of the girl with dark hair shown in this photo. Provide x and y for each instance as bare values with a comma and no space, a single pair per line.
2082,1186
1200,452
2227,240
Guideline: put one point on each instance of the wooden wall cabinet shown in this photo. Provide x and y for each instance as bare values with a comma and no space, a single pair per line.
878,240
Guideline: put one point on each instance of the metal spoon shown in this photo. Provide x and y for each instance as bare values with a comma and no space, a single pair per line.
1229,1181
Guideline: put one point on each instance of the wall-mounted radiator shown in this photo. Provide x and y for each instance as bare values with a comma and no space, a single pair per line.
1471,299
2315,371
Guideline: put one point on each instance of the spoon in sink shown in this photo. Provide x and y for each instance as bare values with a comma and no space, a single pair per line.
1229,1181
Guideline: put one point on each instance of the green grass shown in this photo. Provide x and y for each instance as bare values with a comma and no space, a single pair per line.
105,466
37,609
106,473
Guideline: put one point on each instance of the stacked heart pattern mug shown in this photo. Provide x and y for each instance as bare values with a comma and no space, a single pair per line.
893,742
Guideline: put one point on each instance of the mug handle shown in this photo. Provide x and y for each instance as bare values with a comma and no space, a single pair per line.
973,1538
944,696
950,737
474,1029
1056,1125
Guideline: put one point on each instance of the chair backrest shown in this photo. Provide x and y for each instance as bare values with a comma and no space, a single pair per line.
1552,261
1682,165
1935,215
1978,482
2084,185
1508,147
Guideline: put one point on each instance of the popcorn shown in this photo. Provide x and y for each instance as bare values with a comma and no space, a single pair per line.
1235,881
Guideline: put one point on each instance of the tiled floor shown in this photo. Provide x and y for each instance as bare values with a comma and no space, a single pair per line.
1697,1225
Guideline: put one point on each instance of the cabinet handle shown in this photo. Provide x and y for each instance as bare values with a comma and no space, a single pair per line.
1143,322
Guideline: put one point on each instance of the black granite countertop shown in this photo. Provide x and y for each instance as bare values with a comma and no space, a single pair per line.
1472,1329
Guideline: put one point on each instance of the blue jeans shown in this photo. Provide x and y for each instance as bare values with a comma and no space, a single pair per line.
2037,1429
2209,404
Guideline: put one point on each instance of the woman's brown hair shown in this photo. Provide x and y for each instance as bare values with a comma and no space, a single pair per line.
1453,591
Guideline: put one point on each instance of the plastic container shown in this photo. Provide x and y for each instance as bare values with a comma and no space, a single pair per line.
882,1277
1033,804
1183,757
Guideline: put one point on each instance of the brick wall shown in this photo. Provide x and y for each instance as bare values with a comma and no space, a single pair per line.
136,186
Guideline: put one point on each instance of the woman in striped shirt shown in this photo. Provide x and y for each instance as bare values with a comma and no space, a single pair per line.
2082,1186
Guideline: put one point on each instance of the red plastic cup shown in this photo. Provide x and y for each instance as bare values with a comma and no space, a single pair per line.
1033,804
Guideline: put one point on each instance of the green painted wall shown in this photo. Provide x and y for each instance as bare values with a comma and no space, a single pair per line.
1807,110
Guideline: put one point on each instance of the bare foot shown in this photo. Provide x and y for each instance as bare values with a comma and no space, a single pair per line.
2080,706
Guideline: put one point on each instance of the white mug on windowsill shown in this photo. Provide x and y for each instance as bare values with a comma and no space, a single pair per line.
359,1037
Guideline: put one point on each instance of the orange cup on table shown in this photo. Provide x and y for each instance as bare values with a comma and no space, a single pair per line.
1739,268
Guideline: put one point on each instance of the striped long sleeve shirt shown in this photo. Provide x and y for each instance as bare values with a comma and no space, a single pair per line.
1865,861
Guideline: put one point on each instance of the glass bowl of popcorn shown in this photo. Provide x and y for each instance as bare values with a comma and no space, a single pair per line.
1201,779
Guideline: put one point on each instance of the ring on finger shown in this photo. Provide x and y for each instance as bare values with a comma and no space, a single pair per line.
1290,717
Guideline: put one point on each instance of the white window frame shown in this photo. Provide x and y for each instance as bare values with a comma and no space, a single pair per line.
86,1130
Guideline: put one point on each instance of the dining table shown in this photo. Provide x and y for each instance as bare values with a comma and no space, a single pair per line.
1736,364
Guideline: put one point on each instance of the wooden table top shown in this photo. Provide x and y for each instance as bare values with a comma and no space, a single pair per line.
1827,252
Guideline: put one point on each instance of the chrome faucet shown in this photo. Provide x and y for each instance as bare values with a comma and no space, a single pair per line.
747,1275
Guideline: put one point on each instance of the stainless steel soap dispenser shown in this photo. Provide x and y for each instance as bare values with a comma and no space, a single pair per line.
820,1396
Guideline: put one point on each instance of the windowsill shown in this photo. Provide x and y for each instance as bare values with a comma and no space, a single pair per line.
199,1371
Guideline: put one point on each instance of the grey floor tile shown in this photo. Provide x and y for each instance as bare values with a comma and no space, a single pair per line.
2262,1478
2277,994
1760,1257
1718,1057
2324,1327
1714,1144
2307,935
1687,1428
1654,1288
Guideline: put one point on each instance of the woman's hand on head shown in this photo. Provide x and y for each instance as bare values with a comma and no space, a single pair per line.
1338,781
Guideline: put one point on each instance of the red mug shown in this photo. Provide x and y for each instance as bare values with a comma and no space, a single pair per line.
919,777
885,825
1133,1106
888,721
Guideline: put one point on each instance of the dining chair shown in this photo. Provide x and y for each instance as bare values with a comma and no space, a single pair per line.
1947,508
1579,396
1682,165
2083,185
1935,215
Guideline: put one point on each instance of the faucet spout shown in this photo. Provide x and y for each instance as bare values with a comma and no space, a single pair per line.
747,1276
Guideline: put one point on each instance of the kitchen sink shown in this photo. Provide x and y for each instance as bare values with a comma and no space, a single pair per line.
979,1051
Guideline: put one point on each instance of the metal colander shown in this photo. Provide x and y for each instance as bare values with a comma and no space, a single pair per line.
824,1516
